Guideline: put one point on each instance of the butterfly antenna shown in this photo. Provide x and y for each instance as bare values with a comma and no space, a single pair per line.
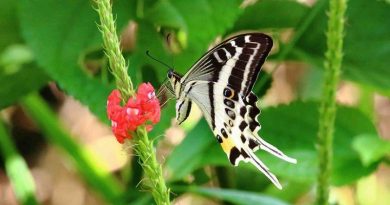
150,56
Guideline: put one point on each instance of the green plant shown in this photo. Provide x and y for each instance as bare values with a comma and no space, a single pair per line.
333,62
142,146
42,41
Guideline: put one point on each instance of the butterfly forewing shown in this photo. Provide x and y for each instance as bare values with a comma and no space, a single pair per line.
246,54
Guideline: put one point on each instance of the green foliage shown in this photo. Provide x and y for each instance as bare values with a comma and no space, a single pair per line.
16,65
45,40
332,65
58,46
86,163
17,170
184,159
236,197
280,19
297,141
9,24
165,14
371,148
366,46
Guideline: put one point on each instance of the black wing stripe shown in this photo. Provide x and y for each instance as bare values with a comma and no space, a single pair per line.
253,48
265,47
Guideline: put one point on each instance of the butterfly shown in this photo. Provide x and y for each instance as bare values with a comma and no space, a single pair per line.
220,83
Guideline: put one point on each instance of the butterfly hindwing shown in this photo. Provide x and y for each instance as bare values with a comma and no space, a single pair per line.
234,127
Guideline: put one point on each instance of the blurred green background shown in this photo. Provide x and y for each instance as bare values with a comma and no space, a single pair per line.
56,145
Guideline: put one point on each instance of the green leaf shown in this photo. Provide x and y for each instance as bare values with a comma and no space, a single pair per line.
184,157
9,32
13,57
147,39
29,78
163,13
366,44
300,137
205,20
236,197
18,75
371,148
273,14
58,34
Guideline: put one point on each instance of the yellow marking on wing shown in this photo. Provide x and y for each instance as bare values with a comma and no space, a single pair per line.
227,144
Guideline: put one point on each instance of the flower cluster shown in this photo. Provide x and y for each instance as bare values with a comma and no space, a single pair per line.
139,109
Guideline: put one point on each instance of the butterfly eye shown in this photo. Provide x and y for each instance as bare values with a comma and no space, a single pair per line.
229,93
170,73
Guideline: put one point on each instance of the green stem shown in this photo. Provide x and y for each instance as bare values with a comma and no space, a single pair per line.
142,146
333,61
112,49
21,180
153,171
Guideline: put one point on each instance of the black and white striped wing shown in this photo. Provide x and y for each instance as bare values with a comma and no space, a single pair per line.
220,83
233,119
245,55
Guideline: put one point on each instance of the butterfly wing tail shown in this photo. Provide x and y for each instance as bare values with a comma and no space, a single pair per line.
246,154
273,150
251,116
253,159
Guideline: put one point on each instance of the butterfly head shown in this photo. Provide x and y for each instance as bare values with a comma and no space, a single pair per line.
170,73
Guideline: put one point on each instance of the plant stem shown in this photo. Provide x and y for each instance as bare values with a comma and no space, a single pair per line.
112,49
145,150
332,64
20,177
141,144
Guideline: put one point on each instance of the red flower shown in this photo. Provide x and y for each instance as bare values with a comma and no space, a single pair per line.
149,102
142,108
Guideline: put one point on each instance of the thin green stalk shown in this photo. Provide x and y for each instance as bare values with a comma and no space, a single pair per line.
21,180
141,143
112,48
155,180
94,173
333,61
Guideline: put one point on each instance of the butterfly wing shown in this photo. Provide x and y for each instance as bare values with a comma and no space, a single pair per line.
165,93
220,83
233,119
244,54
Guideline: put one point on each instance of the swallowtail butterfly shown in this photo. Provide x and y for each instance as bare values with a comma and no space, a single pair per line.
220,83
